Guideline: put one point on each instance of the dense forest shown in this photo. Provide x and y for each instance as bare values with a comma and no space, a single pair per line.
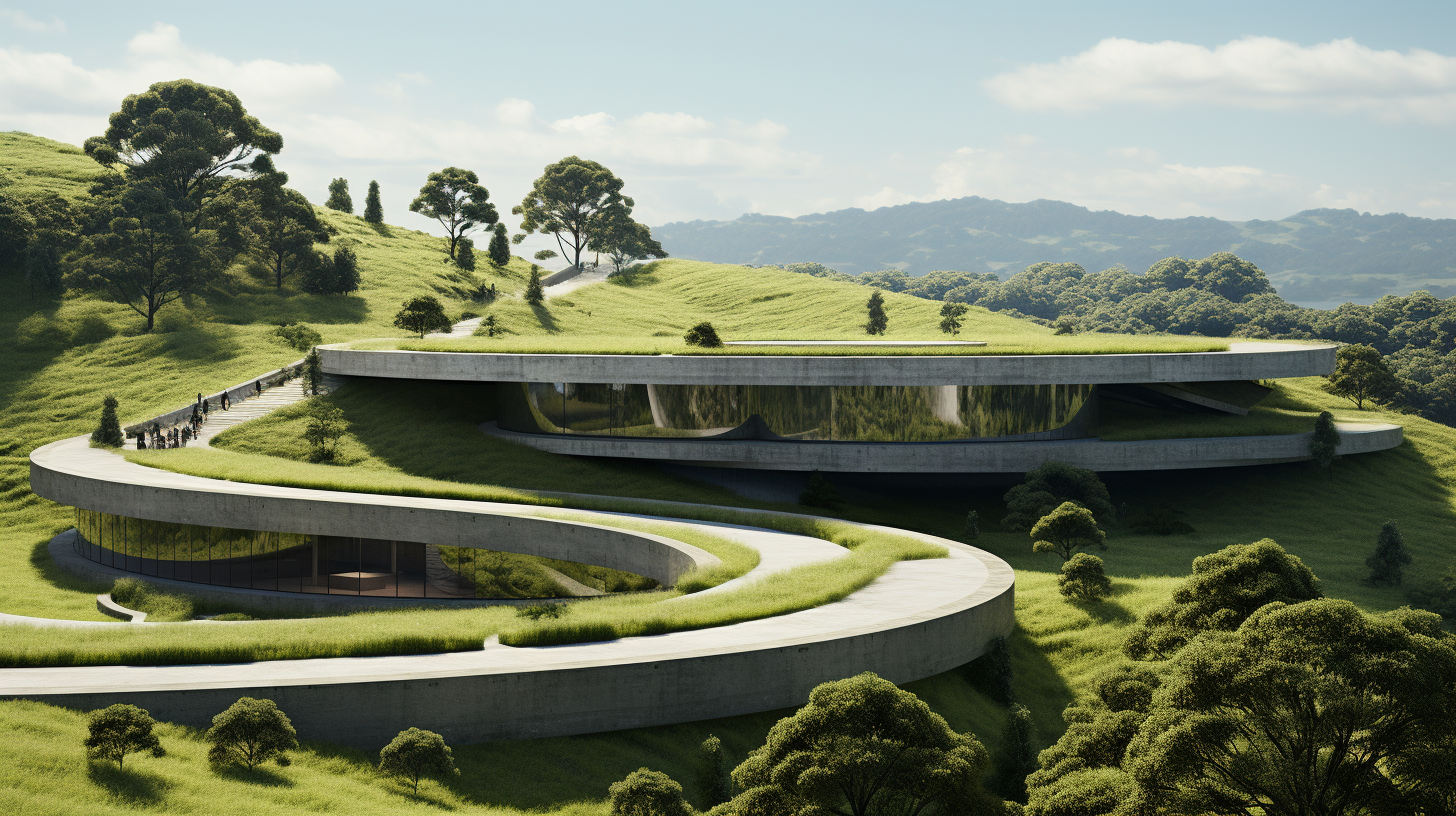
1315,257
1222,295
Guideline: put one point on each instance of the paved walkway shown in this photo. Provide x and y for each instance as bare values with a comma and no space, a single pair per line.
251,408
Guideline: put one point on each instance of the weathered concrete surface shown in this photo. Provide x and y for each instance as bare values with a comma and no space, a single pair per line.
919,619
71,472
963,457
1243,361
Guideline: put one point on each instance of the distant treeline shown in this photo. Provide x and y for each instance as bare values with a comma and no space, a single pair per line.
1219,296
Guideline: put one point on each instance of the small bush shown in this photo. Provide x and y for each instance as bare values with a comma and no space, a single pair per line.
1083,579
542,610
299,336
647,793
108,431
703,335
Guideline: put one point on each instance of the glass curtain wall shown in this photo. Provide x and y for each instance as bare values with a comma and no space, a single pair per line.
814,413
281,562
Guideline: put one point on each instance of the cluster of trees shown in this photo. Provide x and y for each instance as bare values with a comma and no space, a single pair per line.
1218,296
251,732
195,189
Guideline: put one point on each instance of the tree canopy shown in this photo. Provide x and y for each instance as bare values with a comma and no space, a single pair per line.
1048,487
373,209
285,228
1361,375
118,730
187,140
647,793
1226,587
414,754
568,200
422,315
1067,529
625,241
339,198
455,198
861,746
249,733
878,322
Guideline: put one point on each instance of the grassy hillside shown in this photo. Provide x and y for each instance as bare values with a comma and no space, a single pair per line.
31,166
648,312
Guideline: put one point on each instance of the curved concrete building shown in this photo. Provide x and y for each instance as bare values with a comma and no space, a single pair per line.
900,413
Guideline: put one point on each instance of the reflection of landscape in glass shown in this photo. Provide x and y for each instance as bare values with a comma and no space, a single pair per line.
333,565
841,413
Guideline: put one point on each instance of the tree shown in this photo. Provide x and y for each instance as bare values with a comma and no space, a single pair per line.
422,315
647,793
346,271
416,753
339,198
298,336
313,373
1083,579
878,322
544,254
465,254
703,335
819,492
1387,563
373,209
323,431
1225,588
534,293
108,432
500,247
249,733
972,530
950,317
566,198
1049,486
489,326
143,256
1310,708
1066,530
712,774
625,241
118,730
1361,375
455,198
286,228
1324,441
189,141
862,746
1018,755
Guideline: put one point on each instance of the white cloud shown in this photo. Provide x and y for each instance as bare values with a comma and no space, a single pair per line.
886,197
19,19
1252,72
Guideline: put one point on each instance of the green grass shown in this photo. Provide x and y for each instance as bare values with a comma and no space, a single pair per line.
31,167
1280,413
649,312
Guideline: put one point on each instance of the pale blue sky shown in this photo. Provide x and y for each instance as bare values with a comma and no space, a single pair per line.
712,110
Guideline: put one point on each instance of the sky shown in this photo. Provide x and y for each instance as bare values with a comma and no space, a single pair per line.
1237,110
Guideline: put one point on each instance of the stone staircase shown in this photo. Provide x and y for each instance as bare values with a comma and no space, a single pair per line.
251,408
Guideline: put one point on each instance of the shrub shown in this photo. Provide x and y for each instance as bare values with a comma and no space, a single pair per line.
108,431
1049,486
118,730
324,430
417,753
1082,579
537,611
534,293
313,373
950,317
499,248
703,335
878,322
339,198
488,327
465,254
1018,755
299,336
972,530
1325,441
647,793
373,210
712,773
249,733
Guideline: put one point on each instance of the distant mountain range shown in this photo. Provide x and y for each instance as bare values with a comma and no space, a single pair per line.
1315,258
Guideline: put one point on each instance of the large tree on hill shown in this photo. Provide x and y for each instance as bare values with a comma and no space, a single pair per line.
614,232
1361,375
144,256
339,198
373,209
566,199
285,228
189,141
455,198
500,247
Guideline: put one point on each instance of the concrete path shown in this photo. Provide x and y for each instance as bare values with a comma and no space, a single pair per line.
243,410
586,278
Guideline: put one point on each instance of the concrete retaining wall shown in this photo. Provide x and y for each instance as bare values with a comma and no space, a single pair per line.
1244,361
963,457
70,472
238,392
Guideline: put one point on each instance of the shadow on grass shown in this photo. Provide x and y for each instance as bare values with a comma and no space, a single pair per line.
543,316
129,784
51,573
1107,611
260,775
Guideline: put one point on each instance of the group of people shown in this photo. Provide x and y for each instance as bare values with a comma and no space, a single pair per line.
177,436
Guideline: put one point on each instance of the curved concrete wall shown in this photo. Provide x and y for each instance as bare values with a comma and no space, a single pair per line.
71,472
963,457
1243,361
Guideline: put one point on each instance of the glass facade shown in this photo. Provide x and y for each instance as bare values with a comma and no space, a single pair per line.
284,562
871,413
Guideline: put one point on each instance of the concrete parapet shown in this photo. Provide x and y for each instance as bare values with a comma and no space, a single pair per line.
1243,361
963,457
